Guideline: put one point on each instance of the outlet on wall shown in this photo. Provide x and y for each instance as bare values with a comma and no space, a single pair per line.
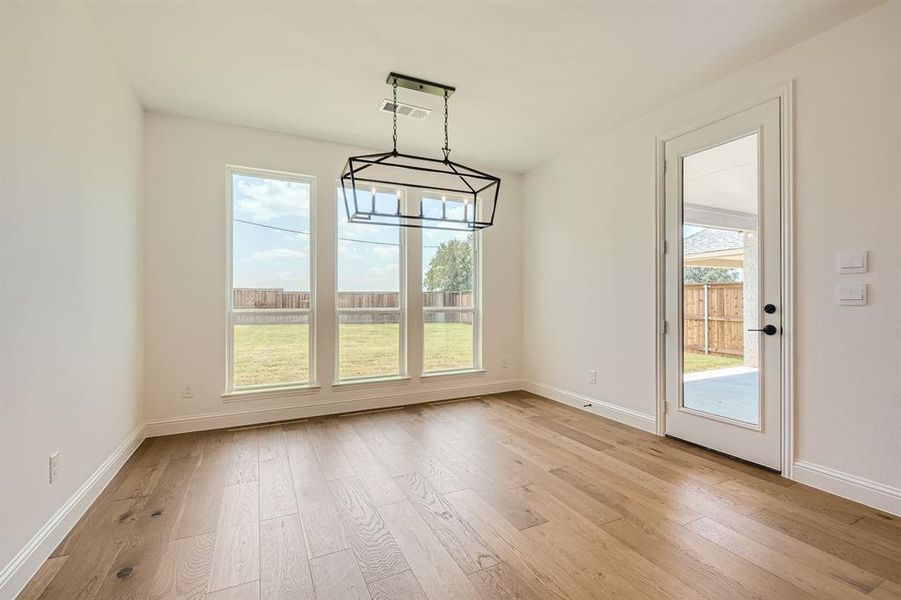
505,363
54,466
592,377
187,391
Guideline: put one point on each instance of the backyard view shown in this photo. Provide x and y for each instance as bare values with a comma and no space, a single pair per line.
280,353
720,357
721,281
271,289
696,362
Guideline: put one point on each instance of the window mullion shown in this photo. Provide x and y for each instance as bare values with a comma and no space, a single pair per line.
416,322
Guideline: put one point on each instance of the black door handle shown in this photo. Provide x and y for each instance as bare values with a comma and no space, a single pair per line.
769,330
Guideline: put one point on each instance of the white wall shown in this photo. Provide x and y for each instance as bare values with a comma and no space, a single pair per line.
185,264
590,241
70,269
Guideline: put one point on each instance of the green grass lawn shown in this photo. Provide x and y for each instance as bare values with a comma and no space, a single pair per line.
447,346
271,354
697,361
278,354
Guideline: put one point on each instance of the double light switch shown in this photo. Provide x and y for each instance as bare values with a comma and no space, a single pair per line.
851,294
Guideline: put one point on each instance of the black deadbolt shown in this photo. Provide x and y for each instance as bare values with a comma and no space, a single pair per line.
769,309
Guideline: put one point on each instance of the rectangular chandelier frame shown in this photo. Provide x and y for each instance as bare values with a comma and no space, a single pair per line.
477,190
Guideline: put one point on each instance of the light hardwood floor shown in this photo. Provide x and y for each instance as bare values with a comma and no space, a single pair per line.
503,497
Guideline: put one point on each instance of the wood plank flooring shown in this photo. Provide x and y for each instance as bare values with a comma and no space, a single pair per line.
502,497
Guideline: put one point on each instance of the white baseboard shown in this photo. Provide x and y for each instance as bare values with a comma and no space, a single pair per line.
385,399
26,563
871,493
627,416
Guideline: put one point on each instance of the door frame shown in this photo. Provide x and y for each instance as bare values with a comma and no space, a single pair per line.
785,96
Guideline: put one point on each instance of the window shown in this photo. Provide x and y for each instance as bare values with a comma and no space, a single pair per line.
370,302
270,308
450,293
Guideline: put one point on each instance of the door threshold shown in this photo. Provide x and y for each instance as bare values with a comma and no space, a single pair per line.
721,453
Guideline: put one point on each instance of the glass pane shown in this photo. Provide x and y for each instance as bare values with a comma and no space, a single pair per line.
270,270
368,345
431,208
368,258
448,268
271,349
368,278
448,278
448,341
721,281
271,233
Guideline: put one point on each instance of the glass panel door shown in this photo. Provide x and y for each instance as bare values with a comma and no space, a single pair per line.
720,281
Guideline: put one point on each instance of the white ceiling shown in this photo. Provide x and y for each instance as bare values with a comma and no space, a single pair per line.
533,78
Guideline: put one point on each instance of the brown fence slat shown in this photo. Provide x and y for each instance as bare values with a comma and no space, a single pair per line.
725,318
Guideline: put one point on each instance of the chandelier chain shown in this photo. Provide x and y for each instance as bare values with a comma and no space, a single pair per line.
395,115
446,148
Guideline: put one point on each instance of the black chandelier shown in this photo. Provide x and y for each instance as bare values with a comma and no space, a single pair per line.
445,194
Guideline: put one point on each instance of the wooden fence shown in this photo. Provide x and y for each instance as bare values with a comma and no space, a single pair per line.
713,316
270,298
449,299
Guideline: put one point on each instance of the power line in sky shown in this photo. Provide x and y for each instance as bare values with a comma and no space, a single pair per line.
343,239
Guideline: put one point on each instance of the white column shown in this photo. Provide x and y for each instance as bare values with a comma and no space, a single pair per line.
751,278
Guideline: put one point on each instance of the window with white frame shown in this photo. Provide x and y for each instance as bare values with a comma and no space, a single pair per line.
450,292
270,291
370,294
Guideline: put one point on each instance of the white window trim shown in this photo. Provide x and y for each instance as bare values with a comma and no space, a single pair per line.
476,311
401,310
270,393
441,375
256,391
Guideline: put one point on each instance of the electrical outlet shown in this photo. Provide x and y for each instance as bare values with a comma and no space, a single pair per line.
592,377
187,391
54,466
505,363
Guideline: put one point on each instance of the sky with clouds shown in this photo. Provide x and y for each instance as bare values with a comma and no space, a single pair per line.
271,242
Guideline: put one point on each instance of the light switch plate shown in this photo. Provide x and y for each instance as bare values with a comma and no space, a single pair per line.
852,262
851,294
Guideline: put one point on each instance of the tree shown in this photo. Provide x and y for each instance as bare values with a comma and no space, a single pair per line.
710,275
450,270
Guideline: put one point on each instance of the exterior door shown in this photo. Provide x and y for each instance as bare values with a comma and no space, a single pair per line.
723,286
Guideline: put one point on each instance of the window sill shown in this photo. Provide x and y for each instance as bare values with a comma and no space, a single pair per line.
353,384
439,375
264,394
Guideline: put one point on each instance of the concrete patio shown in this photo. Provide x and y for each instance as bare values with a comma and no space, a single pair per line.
731,393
